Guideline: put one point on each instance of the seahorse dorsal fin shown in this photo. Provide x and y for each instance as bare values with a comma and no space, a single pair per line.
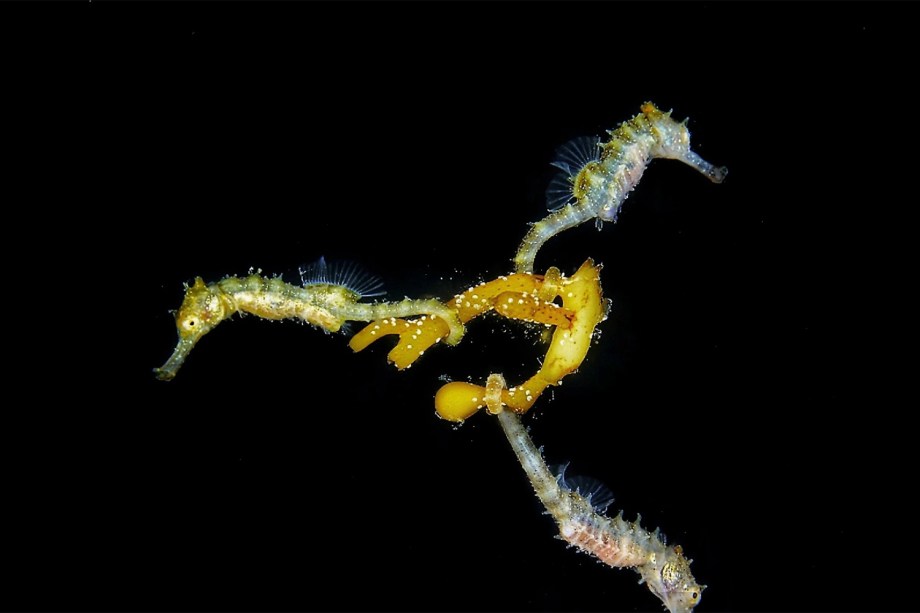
575,154
593,490
559,191
570,159
345,273
558,471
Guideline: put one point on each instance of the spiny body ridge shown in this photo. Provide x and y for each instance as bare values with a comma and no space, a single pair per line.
599,187
612,540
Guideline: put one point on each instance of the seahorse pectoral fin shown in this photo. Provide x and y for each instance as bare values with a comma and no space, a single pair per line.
168,370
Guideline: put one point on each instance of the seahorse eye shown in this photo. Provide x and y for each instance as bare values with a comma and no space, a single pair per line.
190,323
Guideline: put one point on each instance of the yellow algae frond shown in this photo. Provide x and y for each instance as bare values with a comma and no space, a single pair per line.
582,299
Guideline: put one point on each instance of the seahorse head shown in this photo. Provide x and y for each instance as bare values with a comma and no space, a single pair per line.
672,141
672,137
201,310
668,576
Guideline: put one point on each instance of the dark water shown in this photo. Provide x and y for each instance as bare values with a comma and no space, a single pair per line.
738,397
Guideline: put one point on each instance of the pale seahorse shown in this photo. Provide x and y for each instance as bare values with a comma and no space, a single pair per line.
596,178
612,540
327,297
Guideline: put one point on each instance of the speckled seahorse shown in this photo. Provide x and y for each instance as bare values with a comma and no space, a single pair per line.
612,540
327,298
596,178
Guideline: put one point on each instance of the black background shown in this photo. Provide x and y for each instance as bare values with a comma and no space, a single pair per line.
741,396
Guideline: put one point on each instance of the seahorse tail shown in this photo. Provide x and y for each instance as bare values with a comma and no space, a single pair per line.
545,229
450,317
408,308
527,252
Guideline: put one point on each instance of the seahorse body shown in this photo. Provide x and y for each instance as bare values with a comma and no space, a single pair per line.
614,541
601,185
324,305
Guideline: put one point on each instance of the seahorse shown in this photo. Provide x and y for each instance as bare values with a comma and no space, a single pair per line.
327,298
613,540
596,178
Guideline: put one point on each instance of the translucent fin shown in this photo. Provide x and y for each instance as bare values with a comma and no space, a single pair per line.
570,159
599,495
347,274
593,490
558,471
575,154
559,191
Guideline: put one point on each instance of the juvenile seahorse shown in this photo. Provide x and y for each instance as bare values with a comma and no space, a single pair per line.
327,299
597,177
613,540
